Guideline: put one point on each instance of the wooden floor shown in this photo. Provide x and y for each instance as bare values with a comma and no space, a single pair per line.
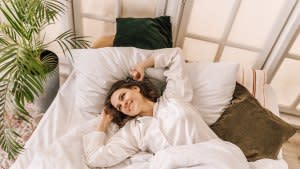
291,151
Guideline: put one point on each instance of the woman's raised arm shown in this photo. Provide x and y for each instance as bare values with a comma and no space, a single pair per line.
178,84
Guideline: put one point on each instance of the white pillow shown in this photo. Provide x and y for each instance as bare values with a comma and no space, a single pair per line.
213,86
97,69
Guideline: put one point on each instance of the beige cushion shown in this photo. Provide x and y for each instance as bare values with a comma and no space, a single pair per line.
103,41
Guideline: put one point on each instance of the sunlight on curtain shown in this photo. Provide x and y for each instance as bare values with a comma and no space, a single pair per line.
94,28
197,50
209,18
249,27
245,57
105,8
255,21
286,82
139,8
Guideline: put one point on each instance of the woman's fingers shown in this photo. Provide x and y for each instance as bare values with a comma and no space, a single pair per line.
106,114
137,74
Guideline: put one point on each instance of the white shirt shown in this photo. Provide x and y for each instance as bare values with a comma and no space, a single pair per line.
174,122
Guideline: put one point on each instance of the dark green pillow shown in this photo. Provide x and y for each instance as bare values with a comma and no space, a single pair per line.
257,131
144,33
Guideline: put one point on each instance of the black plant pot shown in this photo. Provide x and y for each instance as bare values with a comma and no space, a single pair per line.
51,86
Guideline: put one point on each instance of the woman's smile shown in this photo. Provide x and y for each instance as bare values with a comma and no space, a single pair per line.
128,106
131,106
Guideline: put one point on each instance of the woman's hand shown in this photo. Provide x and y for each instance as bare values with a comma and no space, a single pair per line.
105,120
137,72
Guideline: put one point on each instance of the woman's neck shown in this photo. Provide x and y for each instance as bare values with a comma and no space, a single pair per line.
147,108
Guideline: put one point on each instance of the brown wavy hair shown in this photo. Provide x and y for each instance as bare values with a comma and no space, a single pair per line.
147,89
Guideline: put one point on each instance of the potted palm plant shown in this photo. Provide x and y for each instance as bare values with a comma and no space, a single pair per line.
22,69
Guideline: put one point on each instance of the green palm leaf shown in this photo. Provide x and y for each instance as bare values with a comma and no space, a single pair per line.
2,39
13,20
9,32
69,40
8,137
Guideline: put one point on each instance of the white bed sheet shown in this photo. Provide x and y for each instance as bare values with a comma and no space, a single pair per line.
61,119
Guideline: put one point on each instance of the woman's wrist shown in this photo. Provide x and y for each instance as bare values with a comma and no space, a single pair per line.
149,62
105,120
102,127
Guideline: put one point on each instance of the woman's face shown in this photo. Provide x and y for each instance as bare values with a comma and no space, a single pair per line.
128,101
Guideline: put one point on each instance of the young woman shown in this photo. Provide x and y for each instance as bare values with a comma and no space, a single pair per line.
148,122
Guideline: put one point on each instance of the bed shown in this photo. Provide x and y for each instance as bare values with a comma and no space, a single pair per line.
56,142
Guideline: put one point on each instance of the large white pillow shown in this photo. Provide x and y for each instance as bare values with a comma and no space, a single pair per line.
213,86
97,69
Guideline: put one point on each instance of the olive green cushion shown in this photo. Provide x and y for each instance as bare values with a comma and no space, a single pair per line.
257,131
144,33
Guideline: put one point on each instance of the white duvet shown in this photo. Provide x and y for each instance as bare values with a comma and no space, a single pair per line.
213,154
65,145
57,144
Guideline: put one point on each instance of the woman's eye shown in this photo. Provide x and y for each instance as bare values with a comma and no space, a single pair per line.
122,96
